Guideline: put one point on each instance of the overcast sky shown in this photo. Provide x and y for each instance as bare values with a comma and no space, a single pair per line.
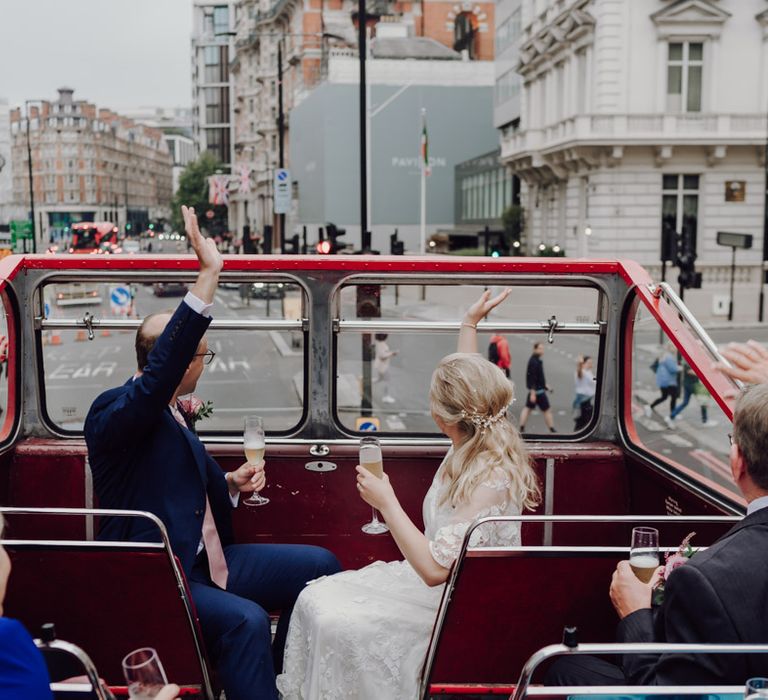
121,54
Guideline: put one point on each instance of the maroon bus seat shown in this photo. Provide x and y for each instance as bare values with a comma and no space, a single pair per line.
520,598
108,598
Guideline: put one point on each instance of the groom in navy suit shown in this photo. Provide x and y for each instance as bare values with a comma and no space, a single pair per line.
719,596
144,457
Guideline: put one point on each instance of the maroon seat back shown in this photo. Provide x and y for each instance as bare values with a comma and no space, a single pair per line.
521,600
109,600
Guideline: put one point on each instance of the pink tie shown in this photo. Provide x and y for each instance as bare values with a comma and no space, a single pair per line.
217,563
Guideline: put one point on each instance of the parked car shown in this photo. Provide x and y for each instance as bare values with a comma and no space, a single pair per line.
267,290
169,289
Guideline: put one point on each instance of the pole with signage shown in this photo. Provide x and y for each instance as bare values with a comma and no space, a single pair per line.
733,241
282,189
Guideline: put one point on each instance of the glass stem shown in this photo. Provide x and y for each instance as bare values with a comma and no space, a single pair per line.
375,515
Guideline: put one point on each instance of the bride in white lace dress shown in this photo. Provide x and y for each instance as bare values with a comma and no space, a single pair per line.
364,634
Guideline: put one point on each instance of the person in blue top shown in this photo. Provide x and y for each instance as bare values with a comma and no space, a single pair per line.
666,380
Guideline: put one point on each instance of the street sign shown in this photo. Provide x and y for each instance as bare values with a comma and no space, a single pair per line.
120,300
734,240
282,191
367,424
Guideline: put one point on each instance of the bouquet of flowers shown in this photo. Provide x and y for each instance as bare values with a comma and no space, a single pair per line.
194,409
671,562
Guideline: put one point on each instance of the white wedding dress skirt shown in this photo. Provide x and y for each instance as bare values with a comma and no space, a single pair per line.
364,634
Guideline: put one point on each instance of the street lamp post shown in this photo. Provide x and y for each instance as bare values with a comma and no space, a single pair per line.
280,131
31,180
365,236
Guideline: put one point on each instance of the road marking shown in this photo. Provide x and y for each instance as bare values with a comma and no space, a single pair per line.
709,460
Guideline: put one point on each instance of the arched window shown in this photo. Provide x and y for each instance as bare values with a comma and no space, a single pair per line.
464,34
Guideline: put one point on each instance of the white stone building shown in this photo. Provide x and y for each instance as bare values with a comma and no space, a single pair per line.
642,113
9,209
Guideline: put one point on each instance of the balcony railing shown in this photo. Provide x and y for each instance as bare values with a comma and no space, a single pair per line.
620,129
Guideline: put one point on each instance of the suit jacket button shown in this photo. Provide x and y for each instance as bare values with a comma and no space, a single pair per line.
198,512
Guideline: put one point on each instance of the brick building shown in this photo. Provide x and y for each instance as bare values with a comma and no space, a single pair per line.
88,164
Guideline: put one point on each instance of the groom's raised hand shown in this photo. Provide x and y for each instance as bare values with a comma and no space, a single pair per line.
208,256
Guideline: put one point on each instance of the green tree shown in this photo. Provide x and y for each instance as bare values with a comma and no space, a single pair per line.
193,191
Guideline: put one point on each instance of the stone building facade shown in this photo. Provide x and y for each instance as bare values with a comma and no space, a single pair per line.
88,164
644,114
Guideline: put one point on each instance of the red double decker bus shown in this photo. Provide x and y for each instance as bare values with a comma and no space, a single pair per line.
93,237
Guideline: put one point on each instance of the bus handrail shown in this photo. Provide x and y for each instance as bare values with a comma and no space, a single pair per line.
166,545
131,324
553,650
383,325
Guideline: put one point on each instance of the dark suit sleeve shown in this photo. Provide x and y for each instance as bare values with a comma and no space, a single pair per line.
136,410
691,613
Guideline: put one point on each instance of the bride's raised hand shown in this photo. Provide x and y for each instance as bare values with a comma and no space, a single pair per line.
374,491
484,305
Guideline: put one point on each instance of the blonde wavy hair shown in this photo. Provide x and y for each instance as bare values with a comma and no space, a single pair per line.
473,394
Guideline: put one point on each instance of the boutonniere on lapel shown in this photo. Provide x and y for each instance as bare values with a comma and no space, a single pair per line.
194,409
671,562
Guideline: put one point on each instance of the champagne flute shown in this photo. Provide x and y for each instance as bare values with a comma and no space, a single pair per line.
756,689
144,674
644,552
255,445
370,459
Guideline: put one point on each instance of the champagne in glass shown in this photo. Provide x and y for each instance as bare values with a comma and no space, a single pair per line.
370,459
144,674
255,445
644,552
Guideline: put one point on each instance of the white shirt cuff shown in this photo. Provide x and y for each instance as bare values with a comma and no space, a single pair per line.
198,305
235,499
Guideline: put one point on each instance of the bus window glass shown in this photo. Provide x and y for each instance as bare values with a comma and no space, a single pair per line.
254,371
400,363
672,413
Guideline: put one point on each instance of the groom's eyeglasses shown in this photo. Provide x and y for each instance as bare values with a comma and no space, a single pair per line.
207,356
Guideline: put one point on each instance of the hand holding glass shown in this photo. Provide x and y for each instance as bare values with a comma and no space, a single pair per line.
370,459
255,446
644,552
144,674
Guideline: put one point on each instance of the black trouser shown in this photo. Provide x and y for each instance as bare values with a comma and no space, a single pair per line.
667,392
583,670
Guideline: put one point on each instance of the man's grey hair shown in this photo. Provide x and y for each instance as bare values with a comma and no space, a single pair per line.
750,432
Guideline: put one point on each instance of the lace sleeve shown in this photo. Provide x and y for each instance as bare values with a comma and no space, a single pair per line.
489,498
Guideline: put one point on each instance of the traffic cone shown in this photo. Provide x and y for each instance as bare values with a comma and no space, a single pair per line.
81,336
105,333
55,337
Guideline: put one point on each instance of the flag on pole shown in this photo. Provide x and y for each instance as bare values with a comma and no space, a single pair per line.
218,189
424,144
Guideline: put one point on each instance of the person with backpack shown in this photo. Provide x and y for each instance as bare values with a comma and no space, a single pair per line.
498,353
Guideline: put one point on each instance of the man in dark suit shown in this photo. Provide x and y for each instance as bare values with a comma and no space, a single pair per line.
144,457
719,596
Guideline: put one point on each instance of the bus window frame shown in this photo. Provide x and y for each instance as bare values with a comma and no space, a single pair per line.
9,431
143,276
677,332
556,279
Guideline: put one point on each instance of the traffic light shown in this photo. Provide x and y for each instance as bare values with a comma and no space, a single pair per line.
292,245
396,246
686,261
368,300
334,233
323,247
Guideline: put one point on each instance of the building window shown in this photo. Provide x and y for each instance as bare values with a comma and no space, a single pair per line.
464,34
217,143
217,105
220,19
685,65
507,87
680,205
216,59
508,32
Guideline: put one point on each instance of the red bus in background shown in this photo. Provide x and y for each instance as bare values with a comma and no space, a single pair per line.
93,237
